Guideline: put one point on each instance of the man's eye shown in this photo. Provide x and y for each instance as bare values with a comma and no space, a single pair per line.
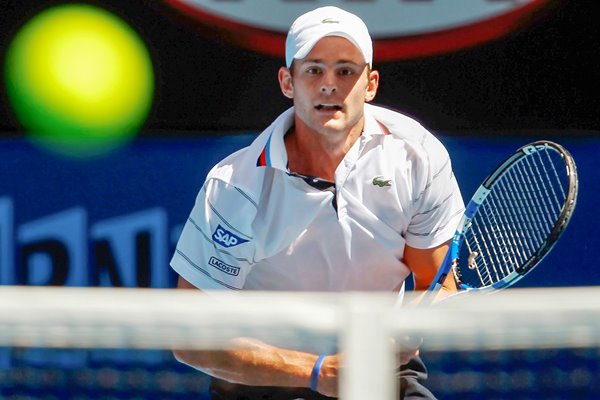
346,71
313,70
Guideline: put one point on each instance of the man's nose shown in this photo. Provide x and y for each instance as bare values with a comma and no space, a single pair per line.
328,84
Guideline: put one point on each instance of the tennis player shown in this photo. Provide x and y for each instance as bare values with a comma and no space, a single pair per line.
335,195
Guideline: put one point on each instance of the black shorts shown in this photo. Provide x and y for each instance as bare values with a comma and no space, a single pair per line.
411,381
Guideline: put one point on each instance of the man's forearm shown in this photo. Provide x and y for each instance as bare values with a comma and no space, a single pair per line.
255,363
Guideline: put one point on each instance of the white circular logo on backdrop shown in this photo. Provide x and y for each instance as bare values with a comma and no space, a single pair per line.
400,28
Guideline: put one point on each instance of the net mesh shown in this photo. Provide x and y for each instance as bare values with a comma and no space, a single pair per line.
520,343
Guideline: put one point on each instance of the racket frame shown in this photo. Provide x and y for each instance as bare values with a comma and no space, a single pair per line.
451,260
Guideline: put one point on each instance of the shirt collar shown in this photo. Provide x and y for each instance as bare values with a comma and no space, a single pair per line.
372,126
274,154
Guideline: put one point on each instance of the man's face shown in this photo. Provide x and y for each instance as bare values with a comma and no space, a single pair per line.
330,86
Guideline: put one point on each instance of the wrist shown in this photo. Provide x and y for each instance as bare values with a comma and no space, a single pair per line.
316,371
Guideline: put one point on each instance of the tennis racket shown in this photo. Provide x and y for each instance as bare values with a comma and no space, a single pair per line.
513,220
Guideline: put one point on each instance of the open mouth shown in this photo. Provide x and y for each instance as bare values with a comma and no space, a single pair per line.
328,107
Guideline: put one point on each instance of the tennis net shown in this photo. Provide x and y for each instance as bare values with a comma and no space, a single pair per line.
115,343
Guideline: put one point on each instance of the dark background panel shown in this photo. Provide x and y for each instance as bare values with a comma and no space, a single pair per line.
543,76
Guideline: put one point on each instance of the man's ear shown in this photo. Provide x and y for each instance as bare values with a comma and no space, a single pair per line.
285,82
372,85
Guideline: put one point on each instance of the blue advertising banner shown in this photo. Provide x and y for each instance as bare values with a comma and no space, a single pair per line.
109,221
114,221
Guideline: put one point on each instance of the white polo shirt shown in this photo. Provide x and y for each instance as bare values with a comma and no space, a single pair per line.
255,226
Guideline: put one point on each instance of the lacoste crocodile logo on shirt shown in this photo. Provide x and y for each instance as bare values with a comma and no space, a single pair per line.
381,181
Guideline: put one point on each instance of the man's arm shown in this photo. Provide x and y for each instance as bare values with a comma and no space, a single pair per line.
255,363
424,264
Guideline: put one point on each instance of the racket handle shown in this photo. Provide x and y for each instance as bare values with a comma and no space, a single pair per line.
442,272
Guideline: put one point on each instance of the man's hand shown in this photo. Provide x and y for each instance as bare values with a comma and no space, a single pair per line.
408,348
328,376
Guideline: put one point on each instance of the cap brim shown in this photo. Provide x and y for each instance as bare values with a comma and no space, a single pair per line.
308,46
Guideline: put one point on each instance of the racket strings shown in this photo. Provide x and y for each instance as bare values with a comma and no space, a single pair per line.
515,219
530,194
493,234
541,167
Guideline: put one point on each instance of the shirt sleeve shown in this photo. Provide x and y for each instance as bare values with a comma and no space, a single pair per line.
216,247
438,205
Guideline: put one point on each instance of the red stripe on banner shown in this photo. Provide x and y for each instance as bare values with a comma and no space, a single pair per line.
385,49
262,40
454,39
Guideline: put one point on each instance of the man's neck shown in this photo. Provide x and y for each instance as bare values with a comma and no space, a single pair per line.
314,154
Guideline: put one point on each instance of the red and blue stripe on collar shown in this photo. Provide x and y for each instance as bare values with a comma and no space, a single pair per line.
264,160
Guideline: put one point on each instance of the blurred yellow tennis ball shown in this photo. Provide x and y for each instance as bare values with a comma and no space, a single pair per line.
79,79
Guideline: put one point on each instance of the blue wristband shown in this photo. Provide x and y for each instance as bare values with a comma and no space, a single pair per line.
314,377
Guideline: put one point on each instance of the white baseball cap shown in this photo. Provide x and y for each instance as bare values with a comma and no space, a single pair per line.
313,26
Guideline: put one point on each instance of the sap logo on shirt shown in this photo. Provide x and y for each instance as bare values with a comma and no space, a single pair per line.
226,238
